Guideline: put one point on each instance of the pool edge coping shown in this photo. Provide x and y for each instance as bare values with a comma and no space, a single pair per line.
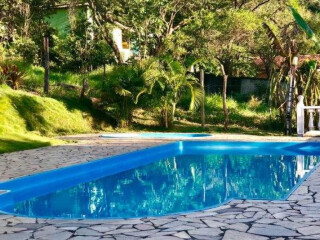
212,208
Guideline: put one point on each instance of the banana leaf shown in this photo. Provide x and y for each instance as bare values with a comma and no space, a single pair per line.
304,26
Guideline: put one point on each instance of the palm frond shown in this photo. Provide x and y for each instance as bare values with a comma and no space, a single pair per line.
274,41
174,66
190,61
122,92
197,95
304,25
139,94
192,78
161,84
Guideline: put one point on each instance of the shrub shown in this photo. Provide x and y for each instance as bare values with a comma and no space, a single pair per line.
2,52
27,49
254,102
119,92
250,114
11,75
74,53
174,81
3,78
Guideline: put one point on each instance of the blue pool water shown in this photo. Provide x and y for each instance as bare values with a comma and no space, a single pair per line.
174,178
156,135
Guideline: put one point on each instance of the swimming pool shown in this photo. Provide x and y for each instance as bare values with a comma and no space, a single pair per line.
172,178
156,135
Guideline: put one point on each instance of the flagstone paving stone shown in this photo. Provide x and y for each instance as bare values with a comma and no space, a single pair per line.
271,230
310,230
15,236
295,218
235,235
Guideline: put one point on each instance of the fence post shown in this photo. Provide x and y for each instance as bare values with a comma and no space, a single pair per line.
300,116
311,119
203,116
46,64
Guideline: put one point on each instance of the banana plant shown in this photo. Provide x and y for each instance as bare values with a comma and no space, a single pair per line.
283,47
309,81
304,26
173,79
309,78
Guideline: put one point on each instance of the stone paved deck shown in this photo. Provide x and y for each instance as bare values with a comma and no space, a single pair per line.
296,218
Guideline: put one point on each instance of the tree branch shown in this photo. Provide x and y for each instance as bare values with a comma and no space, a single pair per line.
111,20
107,36
181,24
260,4
242,3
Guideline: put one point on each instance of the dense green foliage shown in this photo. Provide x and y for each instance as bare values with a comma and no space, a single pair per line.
166,38
247,114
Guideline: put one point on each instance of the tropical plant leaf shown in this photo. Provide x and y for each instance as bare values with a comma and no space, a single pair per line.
191,61
304,25
275,42
176,67
310,68
162,85
122,92
139,94
197,95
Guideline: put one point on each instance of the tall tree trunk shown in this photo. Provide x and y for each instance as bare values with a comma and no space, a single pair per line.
114,46
85,86
203,117
145,42
159,47
100,21
290,101
46,64
173,111
224,97
166,117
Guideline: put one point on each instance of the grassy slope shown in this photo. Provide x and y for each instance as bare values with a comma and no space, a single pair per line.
33,77
27,120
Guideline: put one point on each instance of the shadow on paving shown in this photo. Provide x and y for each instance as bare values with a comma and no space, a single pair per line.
8,145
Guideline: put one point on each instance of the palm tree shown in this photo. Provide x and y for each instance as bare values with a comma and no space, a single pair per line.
120,91
174,80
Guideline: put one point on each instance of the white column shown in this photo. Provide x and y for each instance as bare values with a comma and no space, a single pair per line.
311,120
300,166
300,116
318,119
311,163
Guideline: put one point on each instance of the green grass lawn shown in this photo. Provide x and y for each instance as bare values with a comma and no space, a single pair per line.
249,116
28,120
